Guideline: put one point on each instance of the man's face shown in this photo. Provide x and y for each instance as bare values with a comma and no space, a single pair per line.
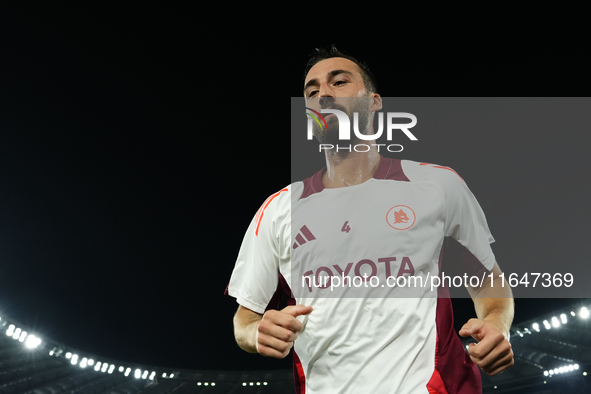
337,83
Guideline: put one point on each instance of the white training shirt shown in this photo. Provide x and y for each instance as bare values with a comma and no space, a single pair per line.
410,220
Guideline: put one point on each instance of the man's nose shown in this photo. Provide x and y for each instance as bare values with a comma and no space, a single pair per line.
326,101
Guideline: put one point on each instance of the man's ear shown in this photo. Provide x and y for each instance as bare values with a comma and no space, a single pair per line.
376,103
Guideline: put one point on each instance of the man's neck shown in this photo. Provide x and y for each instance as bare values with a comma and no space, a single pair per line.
350,169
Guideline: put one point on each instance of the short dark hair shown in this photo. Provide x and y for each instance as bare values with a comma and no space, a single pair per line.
323,54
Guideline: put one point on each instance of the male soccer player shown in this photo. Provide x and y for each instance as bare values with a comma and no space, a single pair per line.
398,217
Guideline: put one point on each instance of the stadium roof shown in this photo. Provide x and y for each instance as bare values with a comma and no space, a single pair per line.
552,355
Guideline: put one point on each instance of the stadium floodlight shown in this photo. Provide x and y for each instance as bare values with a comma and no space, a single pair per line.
545,373
127,371
121,368
104,368
97,367
547,325
74,360
17,333
576,366
111,368
563,318
584,373
10,330
91,362
138,373
572,313
206,384
213,383
22,337
68,355
151,377
164,375
33,342
198,383
84,363
145,375
244,383
584,313
264,383
536,327
171,375
555,322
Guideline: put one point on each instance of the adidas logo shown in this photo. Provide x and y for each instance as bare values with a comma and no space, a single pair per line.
304,232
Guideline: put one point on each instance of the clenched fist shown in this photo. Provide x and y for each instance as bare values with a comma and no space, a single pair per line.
493,352
278,329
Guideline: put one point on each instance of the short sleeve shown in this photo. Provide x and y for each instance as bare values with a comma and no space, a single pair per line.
255,276
466,223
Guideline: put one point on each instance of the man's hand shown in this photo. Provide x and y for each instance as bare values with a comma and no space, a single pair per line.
493,353
278,329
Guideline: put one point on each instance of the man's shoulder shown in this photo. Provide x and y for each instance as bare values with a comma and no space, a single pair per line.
423,171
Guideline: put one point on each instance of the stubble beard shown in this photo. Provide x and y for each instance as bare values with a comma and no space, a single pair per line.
331,136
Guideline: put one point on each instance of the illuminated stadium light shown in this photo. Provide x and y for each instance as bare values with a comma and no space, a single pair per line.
206,384
84,363
576,366
171,375
536,327
145,375
121,368
51,352
545,373
127,371
137,374
563,318
244,383
17,333
23,336
584,373
74,360
547,325
151,377
213,383
68,355
10,330
104,368
584,313
33,342
572,313
164,375
555,322
97,367
91,362
111,368
251,384
264,383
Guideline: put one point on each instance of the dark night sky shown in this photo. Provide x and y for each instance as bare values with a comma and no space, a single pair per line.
130,172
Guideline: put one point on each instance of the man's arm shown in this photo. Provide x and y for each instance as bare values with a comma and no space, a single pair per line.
271,334
494,307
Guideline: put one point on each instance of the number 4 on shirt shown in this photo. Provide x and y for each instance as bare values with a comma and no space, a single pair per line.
346,228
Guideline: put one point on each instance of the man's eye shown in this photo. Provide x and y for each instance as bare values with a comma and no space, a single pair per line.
339,82
312,93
